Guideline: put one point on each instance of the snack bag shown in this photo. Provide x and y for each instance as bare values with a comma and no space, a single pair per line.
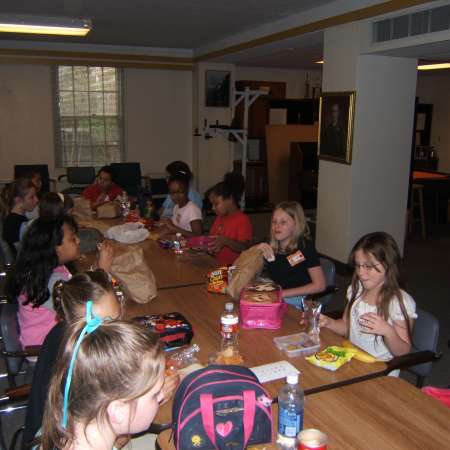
331,358
218,280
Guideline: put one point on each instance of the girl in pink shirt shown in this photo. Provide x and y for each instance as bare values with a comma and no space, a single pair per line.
49,244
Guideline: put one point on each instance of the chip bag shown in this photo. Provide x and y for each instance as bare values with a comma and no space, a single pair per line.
218,280
331,358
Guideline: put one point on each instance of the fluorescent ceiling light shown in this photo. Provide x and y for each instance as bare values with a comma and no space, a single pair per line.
434,66
63,26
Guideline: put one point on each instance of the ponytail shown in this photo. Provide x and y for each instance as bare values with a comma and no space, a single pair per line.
18,188
232,186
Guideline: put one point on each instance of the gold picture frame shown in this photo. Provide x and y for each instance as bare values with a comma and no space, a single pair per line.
336,118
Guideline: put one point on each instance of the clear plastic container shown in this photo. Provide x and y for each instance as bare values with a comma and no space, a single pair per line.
299,344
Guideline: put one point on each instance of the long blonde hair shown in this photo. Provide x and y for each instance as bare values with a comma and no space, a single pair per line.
119,360
301,232
384,249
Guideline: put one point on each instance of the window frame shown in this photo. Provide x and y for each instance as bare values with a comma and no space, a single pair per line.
60,158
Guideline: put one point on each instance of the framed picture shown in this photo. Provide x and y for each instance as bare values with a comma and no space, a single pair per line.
336,115
218,88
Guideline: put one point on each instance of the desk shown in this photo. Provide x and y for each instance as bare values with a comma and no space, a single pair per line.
203,310
383,413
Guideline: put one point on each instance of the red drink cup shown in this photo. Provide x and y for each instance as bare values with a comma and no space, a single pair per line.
312,440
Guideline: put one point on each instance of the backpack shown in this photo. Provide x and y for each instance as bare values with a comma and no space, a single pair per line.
221,407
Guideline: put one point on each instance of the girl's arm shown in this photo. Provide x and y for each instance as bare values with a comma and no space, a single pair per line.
222,241
196,226
317,284
339,326
395,336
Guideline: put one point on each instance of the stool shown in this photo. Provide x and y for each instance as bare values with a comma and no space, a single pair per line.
417,202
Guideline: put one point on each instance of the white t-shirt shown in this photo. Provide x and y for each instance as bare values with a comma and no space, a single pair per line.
182,217
372,343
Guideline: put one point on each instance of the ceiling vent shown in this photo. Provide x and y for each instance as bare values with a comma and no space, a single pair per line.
421,22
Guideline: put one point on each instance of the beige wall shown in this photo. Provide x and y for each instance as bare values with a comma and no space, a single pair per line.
158,111
434,88
26,120
294,79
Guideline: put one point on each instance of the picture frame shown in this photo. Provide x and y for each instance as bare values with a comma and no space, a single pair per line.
217,88
336,118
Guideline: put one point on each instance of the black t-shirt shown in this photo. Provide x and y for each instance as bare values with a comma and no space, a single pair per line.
42,373
291,276
11,229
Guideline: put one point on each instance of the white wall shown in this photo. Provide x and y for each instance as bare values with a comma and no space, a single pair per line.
434,88
158,111
158,114
371,193
294,79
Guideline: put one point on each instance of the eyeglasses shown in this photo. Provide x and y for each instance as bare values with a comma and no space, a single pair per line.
365,266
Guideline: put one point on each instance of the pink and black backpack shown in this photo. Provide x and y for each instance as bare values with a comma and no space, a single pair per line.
221,408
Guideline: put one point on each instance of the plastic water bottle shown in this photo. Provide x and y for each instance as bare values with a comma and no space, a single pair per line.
291,403
177,248
125,204
229,325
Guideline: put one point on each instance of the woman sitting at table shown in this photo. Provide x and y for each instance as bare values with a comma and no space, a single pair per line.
379,315
291,259
232,229
187,216
103,190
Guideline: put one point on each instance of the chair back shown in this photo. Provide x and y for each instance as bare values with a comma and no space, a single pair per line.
80,175
9,327
23,170
425,337
6,255
159,189
329,270
89,238
128,177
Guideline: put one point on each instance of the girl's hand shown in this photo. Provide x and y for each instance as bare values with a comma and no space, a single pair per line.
171,382
106,255
375,324
324,321
168,224
267,252
217,245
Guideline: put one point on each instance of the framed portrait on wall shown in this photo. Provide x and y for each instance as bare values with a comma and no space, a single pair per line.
218,88
336,114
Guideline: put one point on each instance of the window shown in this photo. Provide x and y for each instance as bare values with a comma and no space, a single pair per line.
89,119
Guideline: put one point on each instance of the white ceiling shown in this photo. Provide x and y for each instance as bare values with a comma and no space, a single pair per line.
159,23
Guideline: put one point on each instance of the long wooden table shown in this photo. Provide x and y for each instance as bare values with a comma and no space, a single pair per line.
170,271
382,413
203,310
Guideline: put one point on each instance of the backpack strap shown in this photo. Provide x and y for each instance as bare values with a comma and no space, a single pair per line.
207,410
249,414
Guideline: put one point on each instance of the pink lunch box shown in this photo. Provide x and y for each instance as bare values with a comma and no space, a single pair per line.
200,242
262,315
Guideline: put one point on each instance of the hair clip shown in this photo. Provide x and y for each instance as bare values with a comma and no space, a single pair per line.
92,323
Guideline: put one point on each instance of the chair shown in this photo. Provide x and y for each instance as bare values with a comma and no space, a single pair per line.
78,178
425,337
128,177
329,270
159,189
23,170
6,255
14,398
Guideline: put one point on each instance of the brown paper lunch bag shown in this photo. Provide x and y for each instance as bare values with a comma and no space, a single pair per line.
249,265
81,208
130,267
109,210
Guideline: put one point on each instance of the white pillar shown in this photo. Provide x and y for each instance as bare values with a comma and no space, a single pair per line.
371,193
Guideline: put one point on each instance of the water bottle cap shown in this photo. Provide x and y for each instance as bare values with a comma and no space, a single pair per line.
229,306
292,378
